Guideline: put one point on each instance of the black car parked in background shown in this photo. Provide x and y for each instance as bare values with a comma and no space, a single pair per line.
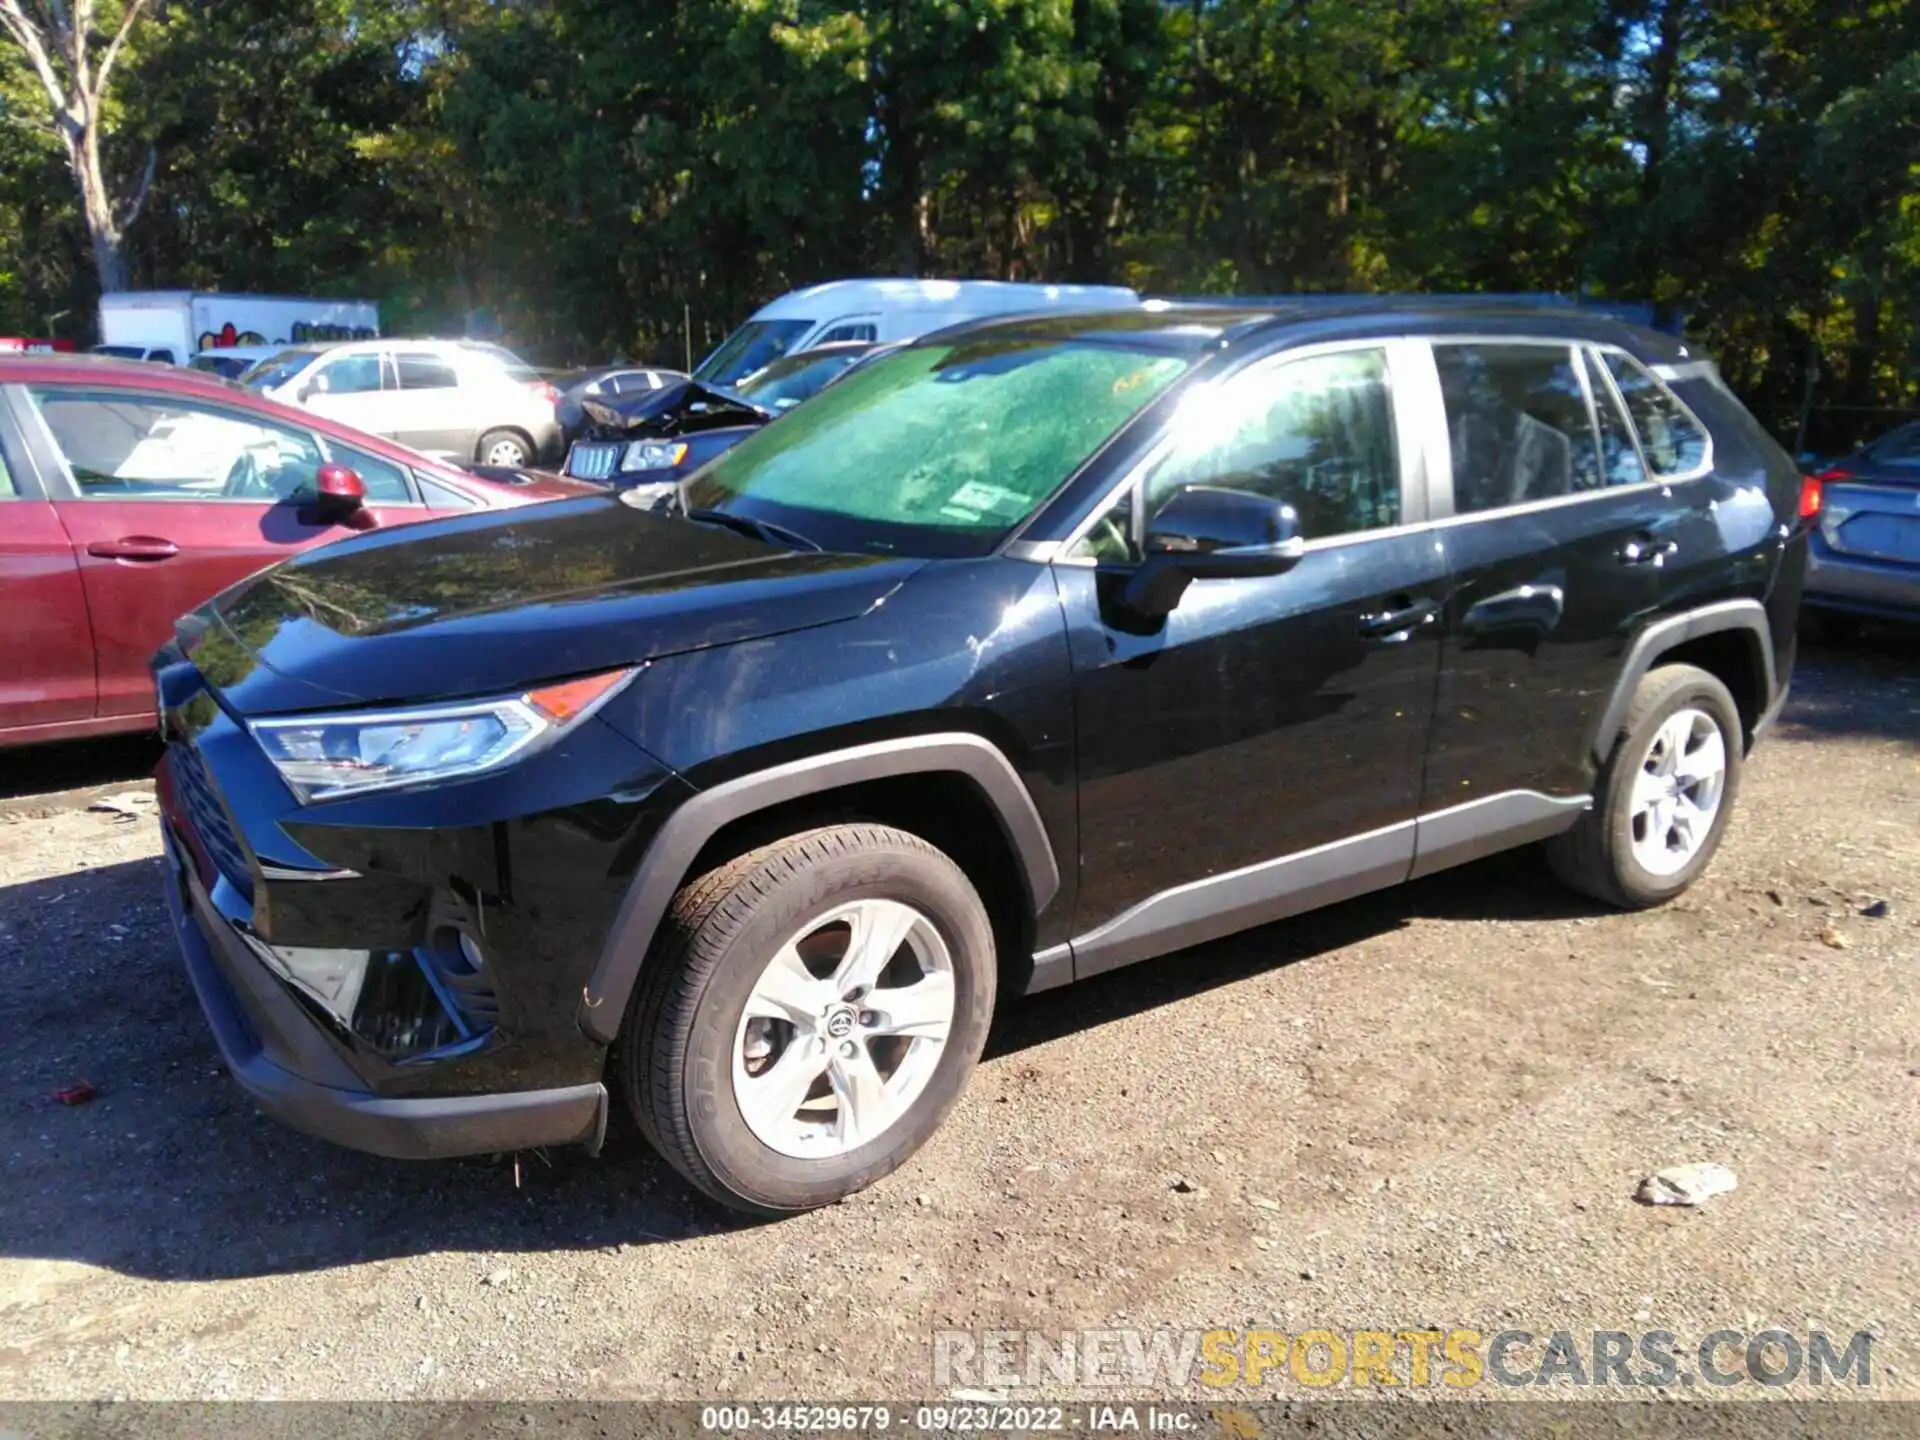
658,439
1031,650
605,383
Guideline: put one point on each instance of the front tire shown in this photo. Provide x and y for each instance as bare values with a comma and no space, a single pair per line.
1665,794
808,1016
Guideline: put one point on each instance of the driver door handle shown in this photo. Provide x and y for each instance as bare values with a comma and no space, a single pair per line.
1645,550
133,547
1399,622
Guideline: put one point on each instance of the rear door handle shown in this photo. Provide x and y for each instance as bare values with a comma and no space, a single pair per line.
134,547
1645,550
1399,622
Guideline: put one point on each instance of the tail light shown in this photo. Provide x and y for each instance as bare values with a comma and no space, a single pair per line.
544,389
1813,491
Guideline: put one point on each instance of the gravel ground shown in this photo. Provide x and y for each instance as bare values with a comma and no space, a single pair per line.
1429,1107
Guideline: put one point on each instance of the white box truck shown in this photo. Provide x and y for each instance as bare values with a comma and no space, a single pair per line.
175,325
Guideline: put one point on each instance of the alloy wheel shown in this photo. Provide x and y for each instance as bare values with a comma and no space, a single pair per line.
1677,792
843,1029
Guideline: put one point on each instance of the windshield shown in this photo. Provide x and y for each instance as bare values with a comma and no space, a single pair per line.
277,370
753,346
786,382
939,449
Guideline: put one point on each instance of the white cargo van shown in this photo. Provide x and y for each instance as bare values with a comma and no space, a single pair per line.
176,325
884,310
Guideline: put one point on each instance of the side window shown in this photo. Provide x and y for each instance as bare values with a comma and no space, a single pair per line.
864,331
443,497
151,447
1674,442
164,357
425,372
633,382
1315,432
1518,424
386,482
350,375
8,490
1619,456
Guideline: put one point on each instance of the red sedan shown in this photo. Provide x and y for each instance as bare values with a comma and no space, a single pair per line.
131,493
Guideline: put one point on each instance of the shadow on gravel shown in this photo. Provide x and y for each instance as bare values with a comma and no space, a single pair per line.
71,764
170,1174
1865,686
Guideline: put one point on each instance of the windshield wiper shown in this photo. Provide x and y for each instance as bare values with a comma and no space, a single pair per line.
756,529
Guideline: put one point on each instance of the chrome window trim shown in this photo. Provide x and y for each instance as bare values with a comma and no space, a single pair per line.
1660,374
1413,472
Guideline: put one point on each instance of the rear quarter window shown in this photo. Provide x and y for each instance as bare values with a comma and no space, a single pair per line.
1674,442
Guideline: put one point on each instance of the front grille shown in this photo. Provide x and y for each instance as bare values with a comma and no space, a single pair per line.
594,460
209,817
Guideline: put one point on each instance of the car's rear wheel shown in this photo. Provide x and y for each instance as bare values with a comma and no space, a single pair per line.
508,449
809,1015
1664,797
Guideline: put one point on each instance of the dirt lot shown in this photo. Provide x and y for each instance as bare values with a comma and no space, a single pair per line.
1430,1107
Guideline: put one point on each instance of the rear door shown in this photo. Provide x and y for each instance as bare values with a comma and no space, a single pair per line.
46,639
169,499
1561,546
435,416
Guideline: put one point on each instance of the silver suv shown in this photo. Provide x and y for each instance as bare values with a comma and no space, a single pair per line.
461,400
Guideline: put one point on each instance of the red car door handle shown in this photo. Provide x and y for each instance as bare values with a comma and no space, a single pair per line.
134,547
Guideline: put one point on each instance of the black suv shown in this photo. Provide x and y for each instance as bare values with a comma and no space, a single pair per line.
1034,649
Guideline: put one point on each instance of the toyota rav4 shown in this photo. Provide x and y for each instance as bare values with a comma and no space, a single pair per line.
1038,648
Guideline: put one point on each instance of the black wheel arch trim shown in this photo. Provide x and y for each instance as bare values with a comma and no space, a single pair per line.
664,866
1671,632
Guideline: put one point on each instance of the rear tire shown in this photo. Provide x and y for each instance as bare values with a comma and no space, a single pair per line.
507,449
809,1014
1664,796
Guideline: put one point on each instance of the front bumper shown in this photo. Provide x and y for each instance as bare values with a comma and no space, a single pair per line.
286,1065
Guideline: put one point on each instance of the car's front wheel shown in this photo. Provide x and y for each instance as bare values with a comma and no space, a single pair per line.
809,1015
1664,797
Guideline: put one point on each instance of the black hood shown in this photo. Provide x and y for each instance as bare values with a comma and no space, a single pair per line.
679,409
489,603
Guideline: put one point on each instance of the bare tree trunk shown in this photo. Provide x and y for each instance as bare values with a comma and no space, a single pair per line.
60,43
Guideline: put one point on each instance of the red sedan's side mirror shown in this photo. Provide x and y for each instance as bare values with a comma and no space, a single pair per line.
340,494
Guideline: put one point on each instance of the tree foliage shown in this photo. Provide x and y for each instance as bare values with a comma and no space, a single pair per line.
592,177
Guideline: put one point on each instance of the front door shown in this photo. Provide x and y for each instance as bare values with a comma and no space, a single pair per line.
46,641
356,389
437,415
168,500
1261,751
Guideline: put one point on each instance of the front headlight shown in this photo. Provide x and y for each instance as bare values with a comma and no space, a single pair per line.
322,757
653,455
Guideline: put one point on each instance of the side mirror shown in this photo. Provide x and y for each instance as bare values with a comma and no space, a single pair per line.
1205,533
340,494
